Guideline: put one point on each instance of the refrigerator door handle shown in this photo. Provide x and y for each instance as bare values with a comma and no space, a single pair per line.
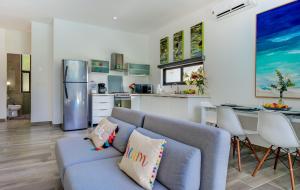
66,91
66,73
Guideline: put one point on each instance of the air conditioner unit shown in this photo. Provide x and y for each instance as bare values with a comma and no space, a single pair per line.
228,7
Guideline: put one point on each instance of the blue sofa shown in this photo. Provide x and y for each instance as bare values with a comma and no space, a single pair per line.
195,156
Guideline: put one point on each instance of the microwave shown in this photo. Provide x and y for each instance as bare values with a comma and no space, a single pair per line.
143,88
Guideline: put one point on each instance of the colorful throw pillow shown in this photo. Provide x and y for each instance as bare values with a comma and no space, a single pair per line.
111,139
102,133
141,159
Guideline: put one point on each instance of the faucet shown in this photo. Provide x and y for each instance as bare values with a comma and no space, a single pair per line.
177,88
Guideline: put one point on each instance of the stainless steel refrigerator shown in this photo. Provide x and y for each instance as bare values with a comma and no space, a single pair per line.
75,84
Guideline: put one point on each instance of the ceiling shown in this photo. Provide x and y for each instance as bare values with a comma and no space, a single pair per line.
140,16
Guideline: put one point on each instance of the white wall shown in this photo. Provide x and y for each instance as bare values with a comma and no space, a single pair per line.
12,41
229,47
2,75
41,72
73,40
18,42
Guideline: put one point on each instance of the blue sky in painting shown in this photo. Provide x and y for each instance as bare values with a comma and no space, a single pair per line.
278,44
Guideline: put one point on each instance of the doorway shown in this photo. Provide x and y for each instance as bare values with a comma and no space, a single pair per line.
18,86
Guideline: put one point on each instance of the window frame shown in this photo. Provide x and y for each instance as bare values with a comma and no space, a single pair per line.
24,71
181,67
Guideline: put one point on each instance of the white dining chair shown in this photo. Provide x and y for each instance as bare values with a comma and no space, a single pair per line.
277,130
229,121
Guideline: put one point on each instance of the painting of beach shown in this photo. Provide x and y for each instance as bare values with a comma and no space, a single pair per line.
278,47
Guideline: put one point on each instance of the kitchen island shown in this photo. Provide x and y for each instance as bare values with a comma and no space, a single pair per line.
180,106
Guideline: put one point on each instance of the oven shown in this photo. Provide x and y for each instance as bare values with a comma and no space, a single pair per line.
123,100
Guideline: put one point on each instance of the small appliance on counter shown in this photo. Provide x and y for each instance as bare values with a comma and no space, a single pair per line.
143,88
93,87
101,88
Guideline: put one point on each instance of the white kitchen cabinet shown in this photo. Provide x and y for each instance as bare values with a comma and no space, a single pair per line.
101,106
179,106
135,103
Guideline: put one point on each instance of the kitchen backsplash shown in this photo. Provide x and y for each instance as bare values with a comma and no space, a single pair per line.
127,80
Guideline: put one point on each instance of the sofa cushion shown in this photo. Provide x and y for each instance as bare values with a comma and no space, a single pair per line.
180,165
133,117
124,132
214,144
142,157
75,150
102,132
101,174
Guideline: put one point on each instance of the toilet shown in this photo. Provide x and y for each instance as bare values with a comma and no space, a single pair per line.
12,110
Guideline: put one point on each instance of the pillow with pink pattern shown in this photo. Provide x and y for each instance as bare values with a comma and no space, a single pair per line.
102,133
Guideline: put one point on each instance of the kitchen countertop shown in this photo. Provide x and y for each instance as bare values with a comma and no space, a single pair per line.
173,95
96,94
160,95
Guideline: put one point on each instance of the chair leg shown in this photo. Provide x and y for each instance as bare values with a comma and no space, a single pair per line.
259,165
239,153
298,152
291,171
252,149
277,157
233,147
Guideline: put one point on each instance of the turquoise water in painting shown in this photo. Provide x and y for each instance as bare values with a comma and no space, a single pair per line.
278,45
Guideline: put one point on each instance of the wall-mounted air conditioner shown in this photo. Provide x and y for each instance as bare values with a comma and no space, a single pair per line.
228,7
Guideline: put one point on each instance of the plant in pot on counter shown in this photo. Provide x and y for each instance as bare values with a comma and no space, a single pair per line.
132,87
197,78
282,85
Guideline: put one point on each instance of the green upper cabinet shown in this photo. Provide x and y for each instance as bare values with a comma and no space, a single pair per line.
99,66
138,69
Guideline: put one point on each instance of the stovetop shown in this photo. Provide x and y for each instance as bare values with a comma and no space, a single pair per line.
121,94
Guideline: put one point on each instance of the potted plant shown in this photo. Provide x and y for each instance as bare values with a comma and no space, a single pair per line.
132,87
197,78
282,85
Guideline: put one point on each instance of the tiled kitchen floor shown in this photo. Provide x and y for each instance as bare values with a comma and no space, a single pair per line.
27,161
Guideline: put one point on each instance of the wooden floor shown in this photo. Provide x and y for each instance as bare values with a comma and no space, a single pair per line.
27,162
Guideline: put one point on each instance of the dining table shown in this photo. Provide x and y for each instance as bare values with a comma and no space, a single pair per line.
248,116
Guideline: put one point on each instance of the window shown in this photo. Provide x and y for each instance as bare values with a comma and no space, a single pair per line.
25,73
175,75
188,70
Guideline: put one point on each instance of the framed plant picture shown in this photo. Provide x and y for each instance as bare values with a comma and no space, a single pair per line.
99,66
164,50
278,50
178,46
197,40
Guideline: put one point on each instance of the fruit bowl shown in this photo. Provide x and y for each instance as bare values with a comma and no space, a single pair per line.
189,91
276,106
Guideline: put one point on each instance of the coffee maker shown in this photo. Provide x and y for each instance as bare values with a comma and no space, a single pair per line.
101,88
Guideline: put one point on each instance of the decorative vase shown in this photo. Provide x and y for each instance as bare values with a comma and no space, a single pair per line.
280,101
200,90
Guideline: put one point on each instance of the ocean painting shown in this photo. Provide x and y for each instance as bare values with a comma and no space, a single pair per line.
278,47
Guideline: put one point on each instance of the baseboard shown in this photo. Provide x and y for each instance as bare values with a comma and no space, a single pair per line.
2,120
45,123
56,125
41,123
